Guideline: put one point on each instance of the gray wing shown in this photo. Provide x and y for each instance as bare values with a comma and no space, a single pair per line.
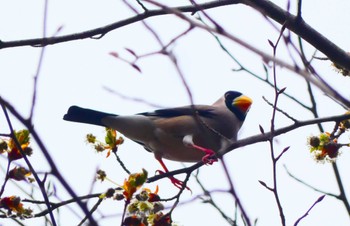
200,110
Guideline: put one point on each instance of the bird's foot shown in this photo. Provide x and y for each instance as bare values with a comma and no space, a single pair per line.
176,182
209,157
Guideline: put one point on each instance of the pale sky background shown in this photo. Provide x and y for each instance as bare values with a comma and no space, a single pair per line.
75,73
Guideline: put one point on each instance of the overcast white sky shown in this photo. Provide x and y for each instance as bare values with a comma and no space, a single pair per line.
75,73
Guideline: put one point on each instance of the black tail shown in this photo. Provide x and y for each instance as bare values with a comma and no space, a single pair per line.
84,115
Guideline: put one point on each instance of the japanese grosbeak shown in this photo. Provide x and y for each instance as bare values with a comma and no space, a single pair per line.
187,134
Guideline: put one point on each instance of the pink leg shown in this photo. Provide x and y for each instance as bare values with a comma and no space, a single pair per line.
176,182
208,158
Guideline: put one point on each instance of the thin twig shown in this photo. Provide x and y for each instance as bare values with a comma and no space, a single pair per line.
30,166
234,194
36,77
308,185
342,195
93,209
279,110
6,177
274,189
308,211
60,204
209,199
243,68
121,163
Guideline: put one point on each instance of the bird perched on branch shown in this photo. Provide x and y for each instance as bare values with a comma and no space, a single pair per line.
187,134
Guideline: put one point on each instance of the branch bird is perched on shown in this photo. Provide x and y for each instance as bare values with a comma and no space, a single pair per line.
186,134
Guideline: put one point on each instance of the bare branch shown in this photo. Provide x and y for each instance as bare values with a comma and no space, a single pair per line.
294,23
317,81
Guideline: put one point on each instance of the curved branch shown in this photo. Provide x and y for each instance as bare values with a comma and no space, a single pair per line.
294,23
252,140
101,31
267,136
304,30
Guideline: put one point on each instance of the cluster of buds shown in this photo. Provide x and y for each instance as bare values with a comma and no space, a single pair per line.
323,147
13,151
143,206
326,146
13,205
20,174
146,209
112,141
9,145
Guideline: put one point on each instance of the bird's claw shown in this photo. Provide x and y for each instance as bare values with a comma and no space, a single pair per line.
176,182
209,157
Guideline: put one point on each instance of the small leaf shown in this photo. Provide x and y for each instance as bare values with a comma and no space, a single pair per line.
59,28
320,198
262,183
136,67
131,52
265,185
282,90
265,69
271,43
285,149
261,129
114,54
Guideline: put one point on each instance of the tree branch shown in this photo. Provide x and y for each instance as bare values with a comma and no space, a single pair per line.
294,23
48,158
304,30
252,140
101,31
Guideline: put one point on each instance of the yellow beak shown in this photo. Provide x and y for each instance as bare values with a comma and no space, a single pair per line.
243,102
